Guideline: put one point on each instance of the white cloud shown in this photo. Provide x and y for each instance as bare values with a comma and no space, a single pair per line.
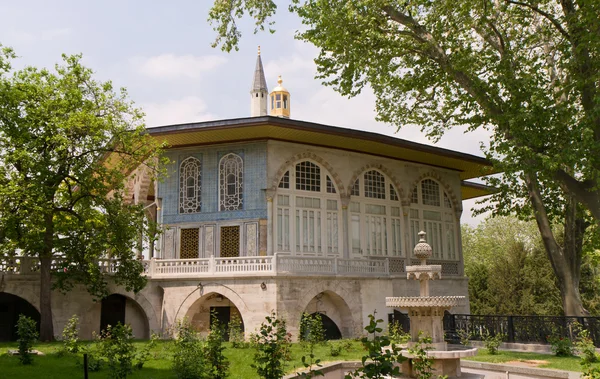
177,66
184,110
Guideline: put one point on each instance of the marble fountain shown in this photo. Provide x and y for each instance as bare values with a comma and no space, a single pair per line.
426,315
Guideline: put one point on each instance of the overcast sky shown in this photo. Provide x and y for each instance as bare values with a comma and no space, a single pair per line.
160,51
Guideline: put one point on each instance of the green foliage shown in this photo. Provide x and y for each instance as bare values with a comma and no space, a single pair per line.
272,348
464,336
116,345
526,72
143,354
397,334
70,336
216,362
560,346
189,360
236,335
492,341
422,364
27,333
585,345
508,269
311,334
335,349
382,356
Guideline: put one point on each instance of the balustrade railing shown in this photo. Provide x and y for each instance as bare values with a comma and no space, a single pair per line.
278,264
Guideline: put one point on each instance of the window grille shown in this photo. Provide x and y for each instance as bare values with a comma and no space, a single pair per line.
189,243
393,194
190,186
330,186
414,197
355,188
430,192
374,185
231,183
285,180
308,177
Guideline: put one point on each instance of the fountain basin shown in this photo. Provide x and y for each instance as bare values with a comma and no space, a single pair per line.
445,302
444,362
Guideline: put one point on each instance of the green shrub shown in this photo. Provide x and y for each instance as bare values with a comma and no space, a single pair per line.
27,332
236,335
397,334
382,358
70,337
143,355
272,348
188,352
335,349
311,333
492,342
585,345
422,364
560,346
116,345
217,363
464,336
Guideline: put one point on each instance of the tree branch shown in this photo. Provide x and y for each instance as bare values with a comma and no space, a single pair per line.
545,14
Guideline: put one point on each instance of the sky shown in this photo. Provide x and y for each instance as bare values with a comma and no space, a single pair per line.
160,51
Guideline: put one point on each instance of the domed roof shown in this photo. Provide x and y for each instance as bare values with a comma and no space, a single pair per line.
279,87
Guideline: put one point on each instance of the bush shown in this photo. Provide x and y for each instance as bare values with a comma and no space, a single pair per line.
27,332
335,350
236,335
422,364
492,342
382,359
397,334
116,345
585,345
311,333
144,354
560,346
70,337
464,336
188,352
272,348
215,359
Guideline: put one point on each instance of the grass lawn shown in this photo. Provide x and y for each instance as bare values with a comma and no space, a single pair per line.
52,366
554,362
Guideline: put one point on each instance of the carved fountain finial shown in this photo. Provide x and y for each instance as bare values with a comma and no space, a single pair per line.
423,250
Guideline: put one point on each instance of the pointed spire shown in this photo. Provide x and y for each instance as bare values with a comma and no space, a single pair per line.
259,82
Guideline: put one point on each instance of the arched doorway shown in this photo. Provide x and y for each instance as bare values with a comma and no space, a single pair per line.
332,332
11,306
214,307
336,311
118,308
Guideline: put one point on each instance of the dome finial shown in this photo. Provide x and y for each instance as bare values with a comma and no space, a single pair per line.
279,80
258,49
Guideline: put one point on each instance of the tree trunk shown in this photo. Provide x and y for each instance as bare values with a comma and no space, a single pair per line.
566,259
46,324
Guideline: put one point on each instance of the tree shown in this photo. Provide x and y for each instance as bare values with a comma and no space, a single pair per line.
528,71
67,144
508,270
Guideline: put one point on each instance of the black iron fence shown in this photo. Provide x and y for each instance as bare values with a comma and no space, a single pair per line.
521,329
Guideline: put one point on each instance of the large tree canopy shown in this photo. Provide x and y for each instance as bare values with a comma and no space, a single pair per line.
528,71
67,144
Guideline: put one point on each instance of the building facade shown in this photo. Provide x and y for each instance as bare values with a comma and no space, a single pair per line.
268,213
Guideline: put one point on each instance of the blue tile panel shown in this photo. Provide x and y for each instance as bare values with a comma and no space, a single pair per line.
255,182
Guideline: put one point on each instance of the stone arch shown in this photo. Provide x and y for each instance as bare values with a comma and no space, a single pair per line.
384,170
144,182
341,298
202,292
144,304
26,292
12,307
456,204
307,156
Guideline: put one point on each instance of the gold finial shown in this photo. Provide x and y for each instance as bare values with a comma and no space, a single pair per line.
279,80
258,49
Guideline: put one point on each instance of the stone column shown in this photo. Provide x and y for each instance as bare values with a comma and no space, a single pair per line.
270,194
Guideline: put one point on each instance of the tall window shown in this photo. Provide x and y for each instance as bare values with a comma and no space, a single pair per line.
231,183
307,212
375,217
190,186
431,211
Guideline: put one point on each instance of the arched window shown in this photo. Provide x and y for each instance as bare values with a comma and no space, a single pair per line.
308,214
431,211
190,186
375,217
231,183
